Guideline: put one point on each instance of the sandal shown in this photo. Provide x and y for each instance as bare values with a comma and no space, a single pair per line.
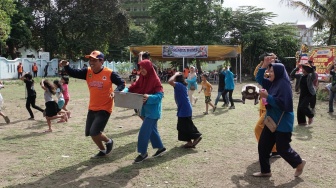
196,141
187,146
48,131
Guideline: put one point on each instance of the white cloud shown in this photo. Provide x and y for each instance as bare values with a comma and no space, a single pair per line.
285,13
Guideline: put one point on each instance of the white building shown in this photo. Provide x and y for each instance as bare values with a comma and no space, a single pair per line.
305,35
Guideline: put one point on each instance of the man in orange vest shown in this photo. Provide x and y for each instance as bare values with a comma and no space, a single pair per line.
20,70
34,69
99,80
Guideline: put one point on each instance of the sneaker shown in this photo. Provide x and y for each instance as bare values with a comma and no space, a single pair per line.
109,147
100,154
31,118
140,158
159,152
7,119
275,155
232,107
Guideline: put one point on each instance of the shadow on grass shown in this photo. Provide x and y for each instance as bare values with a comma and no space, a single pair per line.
122,134
248,181
23,136
71,176
303,133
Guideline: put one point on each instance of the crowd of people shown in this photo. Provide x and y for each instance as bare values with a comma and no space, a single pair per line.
276,104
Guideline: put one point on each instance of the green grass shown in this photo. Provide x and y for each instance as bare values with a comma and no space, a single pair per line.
226,157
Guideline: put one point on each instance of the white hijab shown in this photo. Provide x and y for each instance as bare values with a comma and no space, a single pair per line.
192,73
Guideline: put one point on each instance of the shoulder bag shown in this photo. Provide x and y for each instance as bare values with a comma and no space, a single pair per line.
269,122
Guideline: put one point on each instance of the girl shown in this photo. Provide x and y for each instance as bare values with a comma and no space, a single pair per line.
27,78
52,108
278,92
207,87
1,103
66,95
192,84
150,86
185,126
59,95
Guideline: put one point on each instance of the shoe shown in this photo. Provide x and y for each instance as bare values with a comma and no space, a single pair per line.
31,118
259,174
100,154
214,109
109,147
205,113
7,119
232,107
187,146
140,158
159,152
330,111
299,168
196,141
275,155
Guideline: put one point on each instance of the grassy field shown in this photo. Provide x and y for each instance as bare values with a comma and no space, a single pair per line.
226,157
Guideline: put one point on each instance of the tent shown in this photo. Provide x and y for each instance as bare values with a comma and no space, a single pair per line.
214,53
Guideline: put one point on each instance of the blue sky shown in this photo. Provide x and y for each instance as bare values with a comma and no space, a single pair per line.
285,14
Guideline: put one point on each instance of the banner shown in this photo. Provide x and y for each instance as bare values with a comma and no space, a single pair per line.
184,51
322,58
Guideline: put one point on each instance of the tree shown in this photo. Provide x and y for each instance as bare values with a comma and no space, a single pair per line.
71,28
7,9
21,35
189,22
324,11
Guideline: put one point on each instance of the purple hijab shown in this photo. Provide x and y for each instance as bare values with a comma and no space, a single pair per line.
280,88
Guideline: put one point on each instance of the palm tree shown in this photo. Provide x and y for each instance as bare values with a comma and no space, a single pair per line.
324,11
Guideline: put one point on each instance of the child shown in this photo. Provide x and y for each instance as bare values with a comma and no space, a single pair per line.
59,95
207,87
150,86
185,126
66,95
27,78
1,103
52,109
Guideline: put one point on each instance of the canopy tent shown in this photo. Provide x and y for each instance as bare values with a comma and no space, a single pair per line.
214,53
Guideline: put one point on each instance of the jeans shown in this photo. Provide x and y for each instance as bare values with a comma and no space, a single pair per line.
225,97
331,101
149,132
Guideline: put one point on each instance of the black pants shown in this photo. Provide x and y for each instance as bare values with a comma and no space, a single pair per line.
35,73
297,82
19,75
303,109
312,103
230,96
282,140
31,101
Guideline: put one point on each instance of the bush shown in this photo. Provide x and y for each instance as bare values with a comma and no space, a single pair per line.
322,94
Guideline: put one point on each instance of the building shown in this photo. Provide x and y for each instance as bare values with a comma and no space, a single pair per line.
305,35
138,10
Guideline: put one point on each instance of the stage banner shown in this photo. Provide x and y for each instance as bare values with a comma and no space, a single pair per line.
185,51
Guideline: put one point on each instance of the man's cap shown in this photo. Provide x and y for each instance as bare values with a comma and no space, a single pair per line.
96,55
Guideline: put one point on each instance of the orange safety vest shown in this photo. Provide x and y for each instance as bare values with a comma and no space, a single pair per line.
34,68
100,87
20,68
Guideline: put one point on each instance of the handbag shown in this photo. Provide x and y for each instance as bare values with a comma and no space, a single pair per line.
269,122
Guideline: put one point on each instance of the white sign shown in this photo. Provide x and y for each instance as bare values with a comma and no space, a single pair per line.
44,56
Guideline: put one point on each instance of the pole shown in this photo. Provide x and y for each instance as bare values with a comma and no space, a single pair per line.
236,69
240,57
131,58
183,64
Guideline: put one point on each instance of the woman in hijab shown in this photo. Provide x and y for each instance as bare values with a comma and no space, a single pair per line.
150,86
278,93
307,92
192,84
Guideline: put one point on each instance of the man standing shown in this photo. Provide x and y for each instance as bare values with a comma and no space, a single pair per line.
34,69
46,70
99,80
20,70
